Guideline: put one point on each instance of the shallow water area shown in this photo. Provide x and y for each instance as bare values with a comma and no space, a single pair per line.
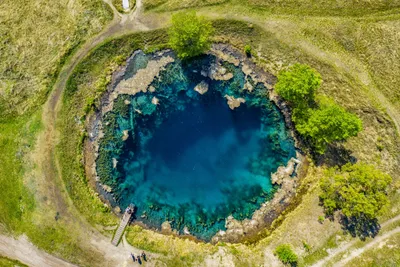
186,157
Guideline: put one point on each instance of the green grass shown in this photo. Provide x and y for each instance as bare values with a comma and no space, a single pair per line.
168,5
16,139
6,262
290,7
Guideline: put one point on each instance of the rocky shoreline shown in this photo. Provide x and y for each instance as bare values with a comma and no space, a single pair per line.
286,176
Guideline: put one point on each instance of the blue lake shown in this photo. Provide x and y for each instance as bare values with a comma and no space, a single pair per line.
191,160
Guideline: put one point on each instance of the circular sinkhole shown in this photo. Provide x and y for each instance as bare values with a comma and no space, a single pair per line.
190,143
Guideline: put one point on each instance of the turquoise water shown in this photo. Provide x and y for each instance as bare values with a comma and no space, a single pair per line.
192,160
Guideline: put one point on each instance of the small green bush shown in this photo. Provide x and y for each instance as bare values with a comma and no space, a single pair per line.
247,50
306,246
286,255
321,219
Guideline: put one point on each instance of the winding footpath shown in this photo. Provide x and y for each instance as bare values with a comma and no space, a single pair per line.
27,253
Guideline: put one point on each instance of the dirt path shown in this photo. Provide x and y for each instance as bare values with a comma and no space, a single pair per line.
27,253
359,251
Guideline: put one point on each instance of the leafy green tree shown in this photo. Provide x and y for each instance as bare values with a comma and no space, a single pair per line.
190,34
359,191
298,84
286,254
327,124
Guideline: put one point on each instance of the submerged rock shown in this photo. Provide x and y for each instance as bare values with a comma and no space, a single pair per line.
248,86
125,135
201,88
219,73
115,162
107,188
155,101
234,102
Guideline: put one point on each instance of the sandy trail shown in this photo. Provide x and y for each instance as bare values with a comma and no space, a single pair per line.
27,253
359,251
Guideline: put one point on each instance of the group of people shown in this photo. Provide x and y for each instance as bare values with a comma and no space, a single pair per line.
139,257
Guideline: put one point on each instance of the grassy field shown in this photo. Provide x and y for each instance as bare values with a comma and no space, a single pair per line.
289,7
6,262
37,38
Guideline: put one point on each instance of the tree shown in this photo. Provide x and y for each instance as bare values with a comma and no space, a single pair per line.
298,84
359,191
189,35
286,254
327,124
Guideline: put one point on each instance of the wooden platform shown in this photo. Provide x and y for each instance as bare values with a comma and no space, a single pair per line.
124,222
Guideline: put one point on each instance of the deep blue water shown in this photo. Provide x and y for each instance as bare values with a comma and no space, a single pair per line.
192,160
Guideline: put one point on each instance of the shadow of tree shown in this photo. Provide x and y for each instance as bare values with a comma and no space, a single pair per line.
361,227
335,155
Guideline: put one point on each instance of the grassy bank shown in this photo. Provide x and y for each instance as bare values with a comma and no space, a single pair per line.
87,83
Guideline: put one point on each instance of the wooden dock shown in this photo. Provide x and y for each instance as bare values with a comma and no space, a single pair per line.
124,222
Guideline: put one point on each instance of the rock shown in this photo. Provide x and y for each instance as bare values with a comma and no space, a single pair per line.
283,172
155,101
201,88
186,230
219,73
126,135
246,69
152,89
117,209
248,87
138,111
107,188
166,227
234,102
115,162
127,102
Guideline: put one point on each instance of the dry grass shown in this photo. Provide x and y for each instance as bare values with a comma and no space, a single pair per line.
36,38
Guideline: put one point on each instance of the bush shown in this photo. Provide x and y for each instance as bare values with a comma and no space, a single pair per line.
298,84
247,50
358,191
286,254
189,35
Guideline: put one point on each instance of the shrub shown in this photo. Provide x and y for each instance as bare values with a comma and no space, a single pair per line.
298,84
321,219
247,50
286,254
189,35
